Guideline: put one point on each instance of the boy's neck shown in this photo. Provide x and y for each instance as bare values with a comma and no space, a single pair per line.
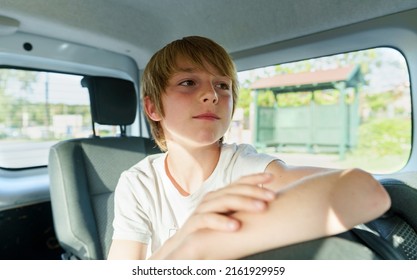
188,169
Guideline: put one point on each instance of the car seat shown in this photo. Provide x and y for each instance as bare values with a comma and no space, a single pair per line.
84,172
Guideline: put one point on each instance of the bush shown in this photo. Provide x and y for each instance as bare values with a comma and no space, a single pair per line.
385,137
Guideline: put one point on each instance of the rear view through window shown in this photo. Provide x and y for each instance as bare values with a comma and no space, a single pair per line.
37,109
341,111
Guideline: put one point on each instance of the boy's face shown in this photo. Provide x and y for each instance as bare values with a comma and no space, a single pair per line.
197,105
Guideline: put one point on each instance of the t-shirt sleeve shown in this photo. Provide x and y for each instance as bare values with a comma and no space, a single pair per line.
249,161
130,220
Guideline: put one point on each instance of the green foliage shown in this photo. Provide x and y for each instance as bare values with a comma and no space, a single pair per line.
5,107
294,99
385,137
8,103
244,100
379,102
266,99
326,97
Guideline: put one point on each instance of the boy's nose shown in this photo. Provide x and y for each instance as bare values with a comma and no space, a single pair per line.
210,95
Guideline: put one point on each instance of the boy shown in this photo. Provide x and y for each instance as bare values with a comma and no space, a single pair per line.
201,194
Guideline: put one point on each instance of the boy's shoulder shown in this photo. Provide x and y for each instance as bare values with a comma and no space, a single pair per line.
243,159
238,149
147,164
235,155
142,175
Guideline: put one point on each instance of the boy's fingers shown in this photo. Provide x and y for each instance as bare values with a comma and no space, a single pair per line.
252,191
255,179
242,195
231,203
212,221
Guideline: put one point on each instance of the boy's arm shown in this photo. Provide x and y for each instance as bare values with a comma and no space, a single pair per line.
127,250
285,175
318,205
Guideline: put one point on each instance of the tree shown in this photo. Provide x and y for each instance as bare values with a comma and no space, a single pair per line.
9,77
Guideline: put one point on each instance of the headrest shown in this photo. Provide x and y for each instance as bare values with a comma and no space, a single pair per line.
113,101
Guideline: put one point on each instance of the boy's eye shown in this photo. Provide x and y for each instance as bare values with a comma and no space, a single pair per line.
187,83
223,86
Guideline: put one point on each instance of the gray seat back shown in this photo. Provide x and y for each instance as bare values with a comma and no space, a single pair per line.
84,173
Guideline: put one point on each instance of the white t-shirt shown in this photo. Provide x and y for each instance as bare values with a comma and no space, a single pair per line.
149,207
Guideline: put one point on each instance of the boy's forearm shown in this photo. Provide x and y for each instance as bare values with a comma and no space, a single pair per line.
313,207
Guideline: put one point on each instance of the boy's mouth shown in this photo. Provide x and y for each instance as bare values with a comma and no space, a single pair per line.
207,116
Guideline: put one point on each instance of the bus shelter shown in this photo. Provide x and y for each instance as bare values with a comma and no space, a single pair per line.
313,124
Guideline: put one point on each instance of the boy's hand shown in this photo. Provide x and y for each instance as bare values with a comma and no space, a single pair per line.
244,194
214,211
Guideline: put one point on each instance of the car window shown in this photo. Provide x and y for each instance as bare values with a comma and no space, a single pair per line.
37,109
347,110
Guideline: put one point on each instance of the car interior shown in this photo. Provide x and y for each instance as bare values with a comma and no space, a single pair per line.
57,178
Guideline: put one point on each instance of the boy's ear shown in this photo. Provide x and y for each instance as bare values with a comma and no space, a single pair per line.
150,110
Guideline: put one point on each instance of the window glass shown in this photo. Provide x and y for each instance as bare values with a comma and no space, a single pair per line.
341,111
37,109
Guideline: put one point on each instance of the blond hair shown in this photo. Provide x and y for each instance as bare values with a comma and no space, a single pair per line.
163,64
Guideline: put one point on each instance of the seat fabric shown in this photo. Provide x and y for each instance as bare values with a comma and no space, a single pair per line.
84,172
